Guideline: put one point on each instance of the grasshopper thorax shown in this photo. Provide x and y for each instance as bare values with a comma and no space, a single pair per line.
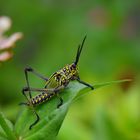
73,71
70,72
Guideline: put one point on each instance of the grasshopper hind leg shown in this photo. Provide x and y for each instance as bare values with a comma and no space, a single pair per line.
61,100
29,103
36,121
56,91
37,116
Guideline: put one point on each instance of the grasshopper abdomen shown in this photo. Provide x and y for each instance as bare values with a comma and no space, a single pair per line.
43,97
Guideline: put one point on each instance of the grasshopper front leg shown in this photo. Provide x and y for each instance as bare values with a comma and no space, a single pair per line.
57,90
84,83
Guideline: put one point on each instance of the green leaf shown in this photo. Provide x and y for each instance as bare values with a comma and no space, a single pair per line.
51,118
6,131
96,86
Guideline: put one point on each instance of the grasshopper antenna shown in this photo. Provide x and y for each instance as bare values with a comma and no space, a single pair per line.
80,47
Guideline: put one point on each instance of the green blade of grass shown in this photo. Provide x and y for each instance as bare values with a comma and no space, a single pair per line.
6,128
51,118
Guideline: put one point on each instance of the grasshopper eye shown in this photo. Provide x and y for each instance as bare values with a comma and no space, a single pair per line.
73,66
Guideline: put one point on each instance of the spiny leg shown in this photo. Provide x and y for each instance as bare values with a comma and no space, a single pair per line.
84,83
27,89
26,70
37,116
37,119
56,90
29,69
46,90
30,104
61,100
24,93
24,90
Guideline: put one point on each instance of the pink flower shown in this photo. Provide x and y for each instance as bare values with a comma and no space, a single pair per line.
7,43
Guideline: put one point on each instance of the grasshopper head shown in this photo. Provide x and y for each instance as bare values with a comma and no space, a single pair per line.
73,66
74,71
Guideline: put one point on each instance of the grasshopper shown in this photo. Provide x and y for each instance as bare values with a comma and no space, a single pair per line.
57,82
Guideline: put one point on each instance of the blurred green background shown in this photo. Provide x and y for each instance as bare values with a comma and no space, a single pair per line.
52,31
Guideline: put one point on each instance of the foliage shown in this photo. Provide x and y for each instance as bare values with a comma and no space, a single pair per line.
51,117
52,31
